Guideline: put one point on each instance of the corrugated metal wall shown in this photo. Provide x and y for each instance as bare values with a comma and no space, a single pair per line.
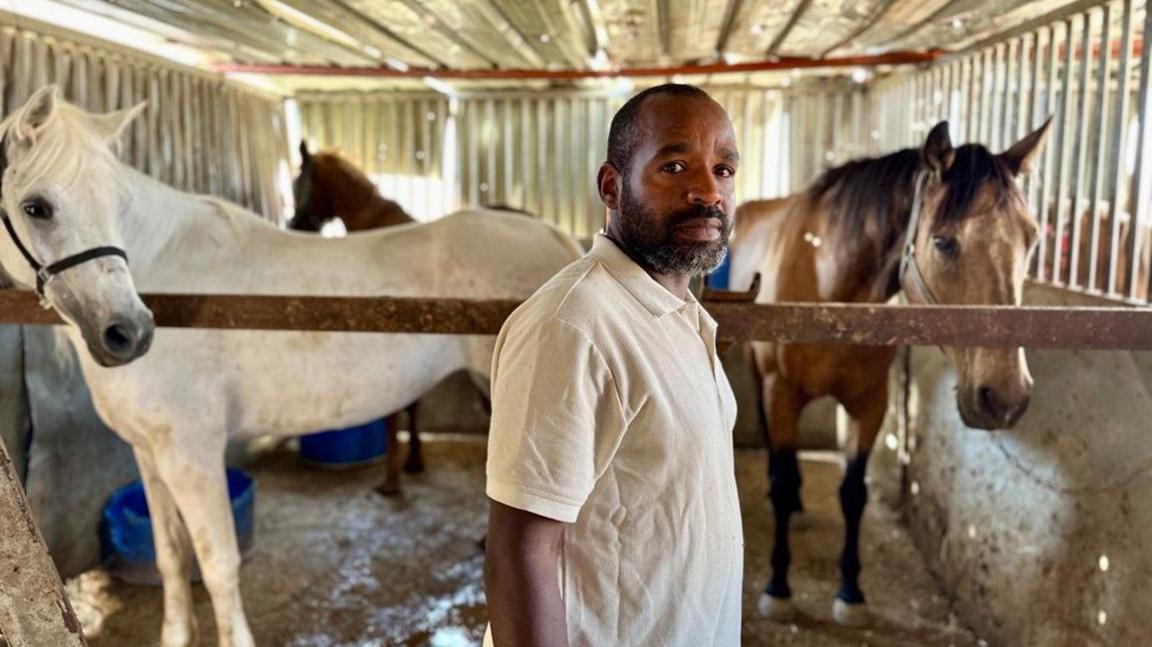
382,133
199,133
534,151
541,152
397,139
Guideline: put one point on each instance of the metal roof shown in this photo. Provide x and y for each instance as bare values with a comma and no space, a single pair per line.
561,34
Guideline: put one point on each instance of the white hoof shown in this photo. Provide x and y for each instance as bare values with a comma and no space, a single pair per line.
774,608
850,615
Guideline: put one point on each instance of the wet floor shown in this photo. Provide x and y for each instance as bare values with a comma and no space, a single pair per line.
337,565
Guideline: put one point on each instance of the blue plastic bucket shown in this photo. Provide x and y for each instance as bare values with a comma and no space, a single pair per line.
126,543
343,448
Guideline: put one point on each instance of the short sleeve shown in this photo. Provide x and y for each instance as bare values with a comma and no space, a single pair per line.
556,419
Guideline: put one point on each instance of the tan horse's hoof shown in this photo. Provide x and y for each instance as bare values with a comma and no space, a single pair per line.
777,609
847,614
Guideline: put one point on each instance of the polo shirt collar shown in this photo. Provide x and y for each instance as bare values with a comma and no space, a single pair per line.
643,287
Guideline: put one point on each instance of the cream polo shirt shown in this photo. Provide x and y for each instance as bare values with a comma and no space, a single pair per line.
611,412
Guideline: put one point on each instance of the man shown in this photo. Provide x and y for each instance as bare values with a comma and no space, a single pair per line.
614,514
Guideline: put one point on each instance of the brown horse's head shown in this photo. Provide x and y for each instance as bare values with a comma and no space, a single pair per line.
310,214
973,242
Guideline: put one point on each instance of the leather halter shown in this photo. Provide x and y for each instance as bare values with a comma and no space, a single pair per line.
908,258
46,271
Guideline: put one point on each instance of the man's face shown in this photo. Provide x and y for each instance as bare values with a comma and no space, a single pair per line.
677,196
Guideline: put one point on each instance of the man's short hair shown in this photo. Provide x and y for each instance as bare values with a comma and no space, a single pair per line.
622,135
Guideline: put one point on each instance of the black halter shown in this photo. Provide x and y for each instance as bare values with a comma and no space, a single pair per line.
44,273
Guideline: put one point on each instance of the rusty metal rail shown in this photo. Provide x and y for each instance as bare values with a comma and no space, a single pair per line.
880,325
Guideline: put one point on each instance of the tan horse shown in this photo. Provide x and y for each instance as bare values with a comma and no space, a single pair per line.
946,225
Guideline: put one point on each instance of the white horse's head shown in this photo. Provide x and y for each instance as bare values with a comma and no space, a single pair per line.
61,190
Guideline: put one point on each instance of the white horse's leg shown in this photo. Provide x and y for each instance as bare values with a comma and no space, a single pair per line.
198,482
172,556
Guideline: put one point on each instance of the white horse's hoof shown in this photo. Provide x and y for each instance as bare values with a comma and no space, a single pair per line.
774,608
850,615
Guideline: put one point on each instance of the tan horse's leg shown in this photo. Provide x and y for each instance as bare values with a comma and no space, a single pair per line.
783,401
415,461
867,415
173,554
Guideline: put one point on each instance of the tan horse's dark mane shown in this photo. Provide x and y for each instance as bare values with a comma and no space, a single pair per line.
869,201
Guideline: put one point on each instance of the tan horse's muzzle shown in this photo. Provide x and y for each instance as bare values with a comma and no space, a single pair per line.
994,388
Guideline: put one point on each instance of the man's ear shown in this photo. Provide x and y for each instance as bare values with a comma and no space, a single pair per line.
609,182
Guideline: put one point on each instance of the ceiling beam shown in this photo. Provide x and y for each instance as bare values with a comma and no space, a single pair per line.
731,11
788,63
511,32
445,31
801,9
912,29
868,23
663,29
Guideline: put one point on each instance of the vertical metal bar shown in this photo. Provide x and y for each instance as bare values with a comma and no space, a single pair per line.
987,89
1045,203
1014,81
1017,125
1063,150
1099,131
1140,184
1080,145
1115,191
996,98
972,130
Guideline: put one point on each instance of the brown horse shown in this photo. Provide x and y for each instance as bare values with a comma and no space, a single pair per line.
329,186
946,225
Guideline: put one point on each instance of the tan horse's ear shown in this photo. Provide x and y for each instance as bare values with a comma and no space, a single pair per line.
938,153
111,125
304,154
1021,157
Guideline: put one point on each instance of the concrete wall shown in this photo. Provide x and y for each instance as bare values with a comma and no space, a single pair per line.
1042,533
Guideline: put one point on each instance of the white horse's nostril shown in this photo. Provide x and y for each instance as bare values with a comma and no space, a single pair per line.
120,338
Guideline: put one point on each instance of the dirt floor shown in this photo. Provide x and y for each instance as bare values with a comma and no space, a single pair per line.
336,564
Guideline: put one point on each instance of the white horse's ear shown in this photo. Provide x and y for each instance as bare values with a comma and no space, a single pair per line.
37,112
1021,157
111,125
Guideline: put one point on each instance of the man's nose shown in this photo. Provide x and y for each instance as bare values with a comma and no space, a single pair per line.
705,189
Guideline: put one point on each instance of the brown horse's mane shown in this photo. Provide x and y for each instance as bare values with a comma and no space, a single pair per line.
869,201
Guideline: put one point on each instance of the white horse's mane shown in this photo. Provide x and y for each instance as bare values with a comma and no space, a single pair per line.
67,143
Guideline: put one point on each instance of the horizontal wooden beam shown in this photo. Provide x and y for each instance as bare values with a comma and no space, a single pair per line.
808,323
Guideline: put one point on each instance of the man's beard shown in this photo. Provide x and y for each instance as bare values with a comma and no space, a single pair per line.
652,239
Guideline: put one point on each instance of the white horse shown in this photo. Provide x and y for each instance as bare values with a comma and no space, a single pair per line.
66,194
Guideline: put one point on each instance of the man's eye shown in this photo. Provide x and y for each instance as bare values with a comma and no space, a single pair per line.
725,172
673,167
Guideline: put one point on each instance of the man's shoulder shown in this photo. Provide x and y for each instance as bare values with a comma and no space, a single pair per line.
579,296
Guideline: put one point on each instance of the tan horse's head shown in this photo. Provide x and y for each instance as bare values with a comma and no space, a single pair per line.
974,241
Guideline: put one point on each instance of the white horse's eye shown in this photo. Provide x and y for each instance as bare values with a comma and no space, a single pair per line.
37,209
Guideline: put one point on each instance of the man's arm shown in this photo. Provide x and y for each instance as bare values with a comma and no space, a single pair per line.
524,605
